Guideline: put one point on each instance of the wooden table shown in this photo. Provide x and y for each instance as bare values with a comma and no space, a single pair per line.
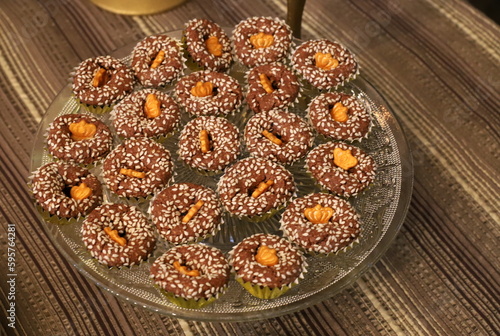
435,61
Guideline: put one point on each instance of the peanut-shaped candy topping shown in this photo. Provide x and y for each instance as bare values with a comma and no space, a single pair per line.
213,46
184,270
152,106
82,130
193,211
80,192
261,40
132,173
272,137
204,141
261,188
158,59
344,159
325,61
113,234
202,89
99,78
339,112
318,214
266,83
266,256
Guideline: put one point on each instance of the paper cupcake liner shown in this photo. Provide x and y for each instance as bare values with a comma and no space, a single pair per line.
202,172
259,218
198,170
189,62
158,138
88,166
54,219
196,240
188,303
328,254
121,267
136,201
262,292
324,188
96,109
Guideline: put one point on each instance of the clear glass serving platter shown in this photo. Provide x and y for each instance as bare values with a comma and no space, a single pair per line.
382,208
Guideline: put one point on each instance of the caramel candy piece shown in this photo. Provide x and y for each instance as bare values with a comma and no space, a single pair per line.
99,78
80,192
339,112
202,89
272,137
193,211
344,159
266,83
184,270
318,214
158,59
132,173
261,188
113,234
82,130
325,61
152,106
266,256
261,40
204,141
213,46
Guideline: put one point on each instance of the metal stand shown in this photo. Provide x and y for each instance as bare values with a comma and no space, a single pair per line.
295,9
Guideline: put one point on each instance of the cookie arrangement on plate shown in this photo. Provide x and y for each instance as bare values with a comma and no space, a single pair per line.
146,97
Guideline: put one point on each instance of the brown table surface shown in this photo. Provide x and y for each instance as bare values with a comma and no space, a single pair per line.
437,64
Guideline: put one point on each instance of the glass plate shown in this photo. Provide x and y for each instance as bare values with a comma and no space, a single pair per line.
382,208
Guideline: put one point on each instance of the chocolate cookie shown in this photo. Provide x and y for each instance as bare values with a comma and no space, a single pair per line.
137,168
102,81
325,64
186,213
66,190
157,60
253,186
78,138
341,168
271,86
145,113
278,136
208,45
196,274
266,261
320,223
208,93
261,40
339,116
209,143
118,235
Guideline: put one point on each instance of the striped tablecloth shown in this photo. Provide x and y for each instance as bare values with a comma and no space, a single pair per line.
437,64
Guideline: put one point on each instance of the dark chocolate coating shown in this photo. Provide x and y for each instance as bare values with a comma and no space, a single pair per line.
51,185
340,231
61,145
130,223
339,181
142,155
209,261
119,81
